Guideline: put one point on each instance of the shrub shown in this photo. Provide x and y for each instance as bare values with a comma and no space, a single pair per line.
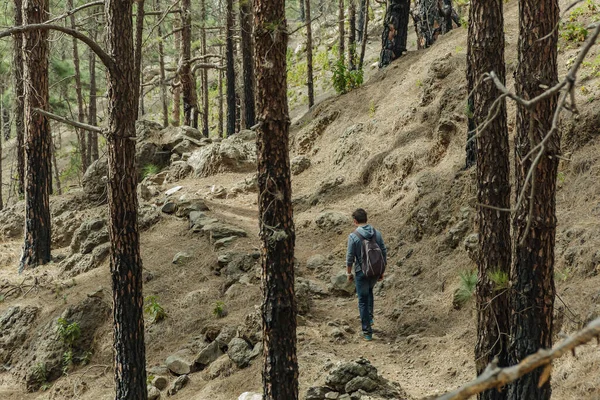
150,169
68,332
154,309
345,80
219,310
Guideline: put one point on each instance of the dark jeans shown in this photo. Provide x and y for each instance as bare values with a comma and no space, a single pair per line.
364,290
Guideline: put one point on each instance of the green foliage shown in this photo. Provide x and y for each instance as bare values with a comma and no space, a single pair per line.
150,169
563,275
322,60
68,332
40,373
345,80
297,73
468,282
371,109
574,32
219,310
67,361
499,279
73,169
154,309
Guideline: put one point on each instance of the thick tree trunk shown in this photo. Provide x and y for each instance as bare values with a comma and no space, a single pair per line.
395,31
248,64
363,43
280,370
139,36
534,225
188,83
19,110
161,66
352,36
231,106
309,57
362,11
221,105
485,54
204,72
177,86
125,259
342,33
36,249
92,105
426,17
81,135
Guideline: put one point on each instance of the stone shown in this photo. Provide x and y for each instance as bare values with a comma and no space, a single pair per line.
91,233
317,393
101,252
181,362
239,351
148,216
345,372
160,382
220,230
76,264
330,220
94,181
147,130
337,333
299,164
306,138
63,229
15,324
150,154
181,258
231,155
252,327
248,185
153,393
340,285
250,396
11,221
456,233
225,336
317,261
178,384
361,383
208,354
169,207
222,367
158,370
198,220
332,395
184,208
173,190
219,244
303,297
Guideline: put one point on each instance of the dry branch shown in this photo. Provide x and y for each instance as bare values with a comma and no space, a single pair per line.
495,377
64,120
74,10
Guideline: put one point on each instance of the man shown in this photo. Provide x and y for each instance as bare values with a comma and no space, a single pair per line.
357,244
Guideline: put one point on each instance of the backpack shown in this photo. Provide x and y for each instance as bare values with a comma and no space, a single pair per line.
373,263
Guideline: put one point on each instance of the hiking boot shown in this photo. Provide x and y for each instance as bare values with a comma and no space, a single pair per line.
372,322
367,337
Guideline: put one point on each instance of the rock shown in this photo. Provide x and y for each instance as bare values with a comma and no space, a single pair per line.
178,384
299,164
173,190
317,261
178,171
153,393
252,328
219,244
157,179
317,393
225,336
181,258
361,383
307,137
471,244
158,370
147,130
184,208
220,367
63,229
76,264
337,333
218,192
208,354
456,234
248,185
15,324
150,154
100,253
346,372
94,181
147,216
332,395
329,184
146,192
231,155
11,220
303,297
250,396
91,233
239,352
330,220
340,285
220,230
169,207
160,382
199,220
180,363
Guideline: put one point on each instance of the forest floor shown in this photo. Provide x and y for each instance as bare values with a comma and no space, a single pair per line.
395,147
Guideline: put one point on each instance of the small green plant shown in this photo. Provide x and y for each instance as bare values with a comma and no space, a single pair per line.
419,83
86,358
563,275
149,379
371,109
67,361
219,310
68,332
468,282
499,279
154,309
40,374
345,80
574,32
150,169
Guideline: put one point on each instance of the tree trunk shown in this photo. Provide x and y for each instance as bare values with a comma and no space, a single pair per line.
204,72
56,171
139,35
341,23
1,138
177,86
36,249
534,225
363,9
92,106
81,136
161,67
19,110
309,57
188,83
302,15
6,123
363,44
280,368
426,17
125,259
485,54
231,106
352,36
248,64
395,31
220,100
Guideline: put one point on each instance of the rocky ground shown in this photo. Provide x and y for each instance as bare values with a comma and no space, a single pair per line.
394,146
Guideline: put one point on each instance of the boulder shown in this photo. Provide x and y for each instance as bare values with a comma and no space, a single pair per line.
181,362
199,219
63,229
225,336
178,384
185,207
153,393
220,230
304,300
317,261
251,330
299,164
248,185
230,155
317,393
11,221
94,181
15,324
361,383
343,373
208,354
160,382
169,207
91,233
147,216
181,258
147,130
250,396
220,367
330,220
239,352
340,285
77,264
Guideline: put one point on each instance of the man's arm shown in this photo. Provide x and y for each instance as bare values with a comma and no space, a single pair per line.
350,255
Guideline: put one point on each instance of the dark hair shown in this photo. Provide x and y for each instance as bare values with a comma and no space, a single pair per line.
360,216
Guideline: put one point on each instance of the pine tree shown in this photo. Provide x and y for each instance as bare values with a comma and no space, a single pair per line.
247,62
230,71
309,56
19,110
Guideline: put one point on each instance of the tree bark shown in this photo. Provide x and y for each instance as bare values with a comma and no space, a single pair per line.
363,43
363,10
56,171
280,370
36,249
161,67
92,104
19,110
534,225
6,123
81,136
220,100
139,32
204,72
341,23
125,259
1,138
485,54
177,85
230,71
309,57
302,15
352,35
188,83
395,31
247,62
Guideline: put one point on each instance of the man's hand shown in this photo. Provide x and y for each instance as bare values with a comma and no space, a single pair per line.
380,278
350,277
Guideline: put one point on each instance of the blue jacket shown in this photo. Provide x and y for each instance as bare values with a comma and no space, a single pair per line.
354,253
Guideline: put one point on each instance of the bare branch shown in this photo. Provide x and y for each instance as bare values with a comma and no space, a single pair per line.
207,66
495,377
64,120
74,10
95,47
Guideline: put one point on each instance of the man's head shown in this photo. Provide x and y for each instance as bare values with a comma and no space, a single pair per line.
359,216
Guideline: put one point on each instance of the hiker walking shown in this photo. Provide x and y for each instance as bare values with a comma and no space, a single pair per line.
367,258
